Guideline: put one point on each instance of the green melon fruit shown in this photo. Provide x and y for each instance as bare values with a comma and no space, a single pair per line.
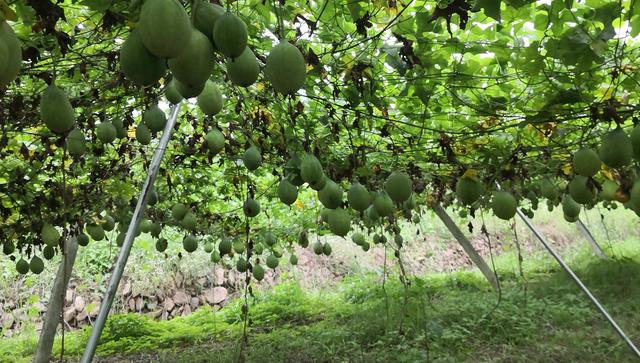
468,190
287,192
410,203
4,54
398,186
165,28
195,64
188,90
153,197
8,247
634,195
251,207
365,246
272,261
22,266
215,257
138,63
121,133
230,35
319,184
178,211
311,169
339,222
155,229
96,232
303,238
241,265
83,239
243,70
258,272
616,150
210,100
208,247
225,246
570,207
326,249
257,249
171,93
161,244
252,158
120,239
76,143
108,223
106,132
324,215
635,141
586,162
270,238
154,118
580,190
317,248
371,213
189,221
548,189
331,195
358,238
609,189
143,135
285,68
215,140
359,197
145,225
205,16
504,205
48,252
36,265
190,243
293,260
383,204
277,251
570,219
56,110
10,67
50,235
397,238
238,247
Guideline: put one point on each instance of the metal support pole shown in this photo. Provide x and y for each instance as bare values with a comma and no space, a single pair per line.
589,237
467,246
112,288
579,283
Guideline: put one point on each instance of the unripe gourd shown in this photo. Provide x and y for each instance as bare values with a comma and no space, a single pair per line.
165,28
56,110
285,68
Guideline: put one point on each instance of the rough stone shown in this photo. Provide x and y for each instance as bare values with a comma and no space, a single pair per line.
79,303
180,298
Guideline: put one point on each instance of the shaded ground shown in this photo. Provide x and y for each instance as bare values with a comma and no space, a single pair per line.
441,318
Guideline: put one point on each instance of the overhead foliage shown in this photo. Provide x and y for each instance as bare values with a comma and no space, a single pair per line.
424,93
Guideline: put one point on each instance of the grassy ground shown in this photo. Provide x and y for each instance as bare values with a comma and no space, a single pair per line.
441,318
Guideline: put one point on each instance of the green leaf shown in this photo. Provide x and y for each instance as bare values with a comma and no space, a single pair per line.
491,8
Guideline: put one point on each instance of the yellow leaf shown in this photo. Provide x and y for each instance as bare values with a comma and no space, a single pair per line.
299,204
260,86
54,147
471,173
567,168
131,133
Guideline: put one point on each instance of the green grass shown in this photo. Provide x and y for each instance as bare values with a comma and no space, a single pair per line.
441,318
